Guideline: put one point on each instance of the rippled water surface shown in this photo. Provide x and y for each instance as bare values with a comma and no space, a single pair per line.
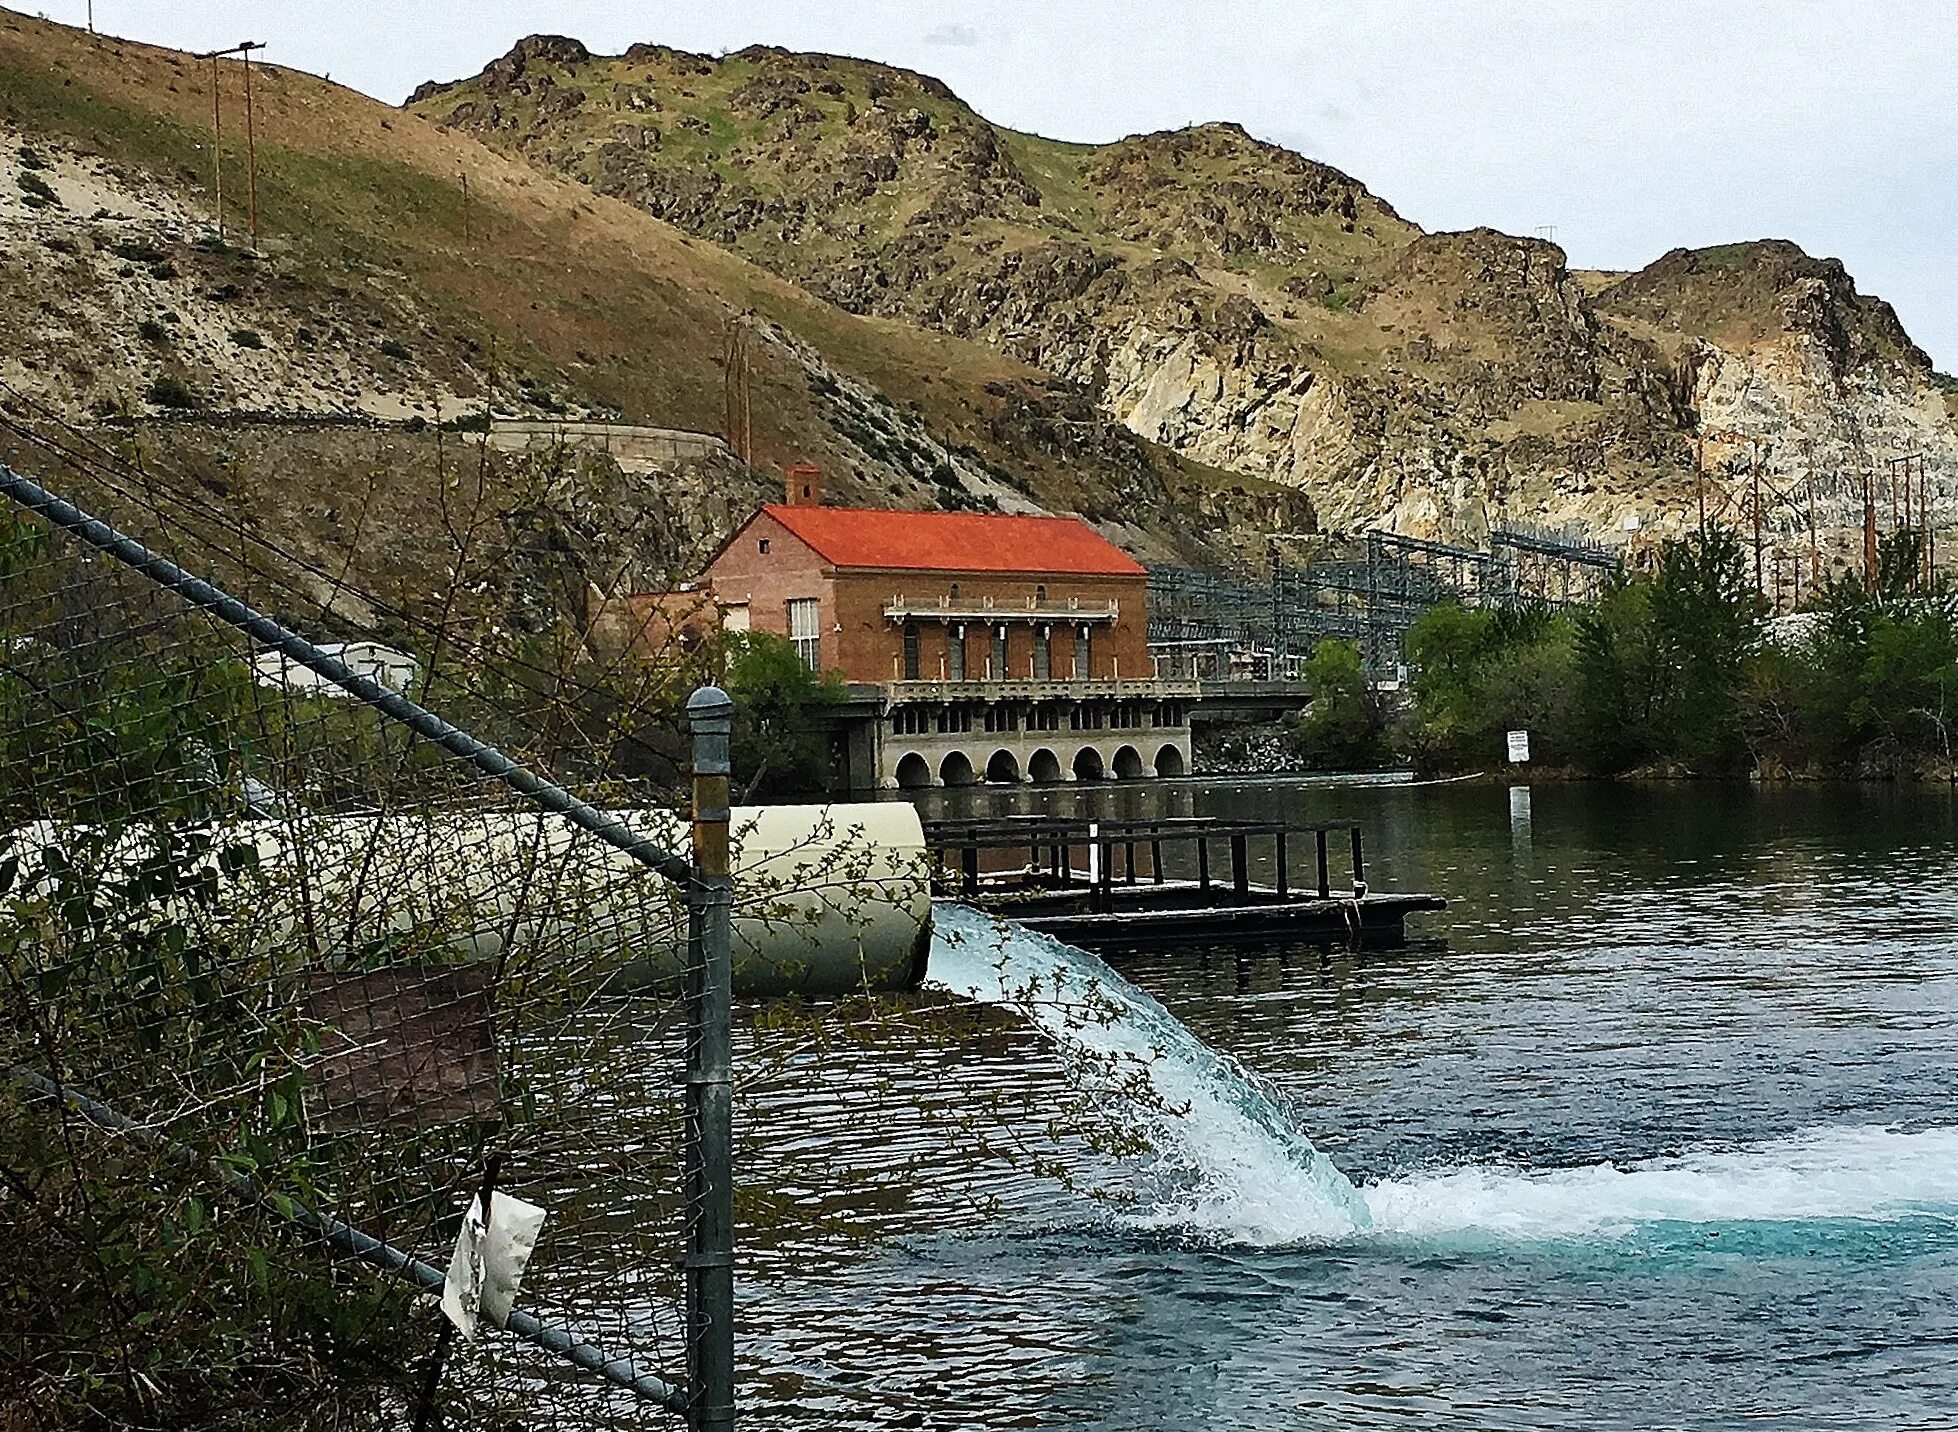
1655,1127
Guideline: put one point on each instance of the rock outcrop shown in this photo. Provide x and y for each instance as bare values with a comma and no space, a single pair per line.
1246,306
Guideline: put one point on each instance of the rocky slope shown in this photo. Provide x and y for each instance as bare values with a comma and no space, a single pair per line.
409,280
1241,304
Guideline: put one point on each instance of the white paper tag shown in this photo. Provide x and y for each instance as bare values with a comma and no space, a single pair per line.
488,1264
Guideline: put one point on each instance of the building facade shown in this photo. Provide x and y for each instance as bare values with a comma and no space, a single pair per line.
979,646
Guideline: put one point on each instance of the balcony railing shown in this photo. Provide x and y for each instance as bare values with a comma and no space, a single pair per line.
1141,688
986,609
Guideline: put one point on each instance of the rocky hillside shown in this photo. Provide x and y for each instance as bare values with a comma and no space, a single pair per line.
330,382
1238,303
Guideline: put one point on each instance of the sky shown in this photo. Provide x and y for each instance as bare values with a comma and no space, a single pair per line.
1619,129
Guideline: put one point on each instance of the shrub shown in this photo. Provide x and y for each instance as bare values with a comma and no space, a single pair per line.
247,338
390,348
1342,729
32,158
170,391
150,331
35,190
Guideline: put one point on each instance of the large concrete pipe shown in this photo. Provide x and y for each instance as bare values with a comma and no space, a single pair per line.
829,899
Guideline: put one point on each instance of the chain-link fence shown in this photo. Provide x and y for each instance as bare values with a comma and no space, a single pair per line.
294,969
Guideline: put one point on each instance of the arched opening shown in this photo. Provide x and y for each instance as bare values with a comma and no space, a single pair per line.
1087,764
1043,767
1169,762
913,772
1003,769
1128,764
956,770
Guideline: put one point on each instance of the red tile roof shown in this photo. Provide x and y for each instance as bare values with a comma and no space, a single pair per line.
955,541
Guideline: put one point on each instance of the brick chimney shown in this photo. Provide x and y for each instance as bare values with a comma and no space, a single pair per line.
805,485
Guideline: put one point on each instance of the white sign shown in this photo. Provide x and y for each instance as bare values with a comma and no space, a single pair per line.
1519,746
489,1261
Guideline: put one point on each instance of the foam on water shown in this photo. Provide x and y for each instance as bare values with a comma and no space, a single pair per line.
1249,1176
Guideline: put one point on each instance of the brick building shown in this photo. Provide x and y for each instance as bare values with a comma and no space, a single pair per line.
982,646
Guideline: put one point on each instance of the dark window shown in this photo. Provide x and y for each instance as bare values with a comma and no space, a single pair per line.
762,546
1084,654
999,672
1040,594
1043,654
910,651
955,654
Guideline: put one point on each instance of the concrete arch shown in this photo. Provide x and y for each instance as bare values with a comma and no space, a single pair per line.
913,772
1088,765
1003,768
1169,762
1043,767
956,770
1128,764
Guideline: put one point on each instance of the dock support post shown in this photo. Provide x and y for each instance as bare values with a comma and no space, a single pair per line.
1128,860
1104,891
1203,863
1359,865
969,858
1284,889
1325,867
1156,853
1240,867
709,1088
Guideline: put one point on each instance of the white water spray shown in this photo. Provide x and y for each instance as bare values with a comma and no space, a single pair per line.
1247,1167
1254,1179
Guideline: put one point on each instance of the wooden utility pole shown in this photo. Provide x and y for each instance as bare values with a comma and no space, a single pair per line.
251,141
243,49
217,145
738,425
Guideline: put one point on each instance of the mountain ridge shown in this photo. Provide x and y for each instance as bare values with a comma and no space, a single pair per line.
1239,303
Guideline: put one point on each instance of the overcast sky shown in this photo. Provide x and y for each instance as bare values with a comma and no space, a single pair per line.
1628,128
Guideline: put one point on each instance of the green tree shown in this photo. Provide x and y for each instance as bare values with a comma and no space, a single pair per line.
1342,727
781,728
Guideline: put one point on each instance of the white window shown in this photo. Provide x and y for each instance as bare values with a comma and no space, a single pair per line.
804,631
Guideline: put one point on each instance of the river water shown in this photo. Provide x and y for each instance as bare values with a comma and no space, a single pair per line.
1655,1127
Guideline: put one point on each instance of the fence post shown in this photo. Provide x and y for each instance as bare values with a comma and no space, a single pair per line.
709,1095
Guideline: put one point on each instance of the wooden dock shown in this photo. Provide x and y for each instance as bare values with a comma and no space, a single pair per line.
1103,884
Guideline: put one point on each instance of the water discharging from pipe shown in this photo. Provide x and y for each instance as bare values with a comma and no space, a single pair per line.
1237,1169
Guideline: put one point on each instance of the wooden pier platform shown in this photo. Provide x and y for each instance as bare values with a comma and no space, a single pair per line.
1103,885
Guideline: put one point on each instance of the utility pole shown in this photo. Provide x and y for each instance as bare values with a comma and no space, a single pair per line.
217,146
243,49
1699,481
738,414
251,141
1869,528
1754,472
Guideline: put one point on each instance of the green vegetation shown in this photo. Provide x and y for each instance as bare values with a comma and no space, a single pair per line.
1343,728
34,190
780,746
170,391
247,338
1672,671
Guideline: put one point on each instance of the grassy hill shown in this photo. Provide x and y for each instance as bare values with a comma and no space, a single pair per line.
409,276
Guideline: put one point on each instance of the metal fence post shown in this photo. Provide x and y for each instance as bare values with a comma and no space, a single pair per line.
709,1092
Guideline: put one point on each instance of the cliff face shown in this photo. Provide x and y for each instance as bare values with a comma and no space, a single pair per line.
1241,304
